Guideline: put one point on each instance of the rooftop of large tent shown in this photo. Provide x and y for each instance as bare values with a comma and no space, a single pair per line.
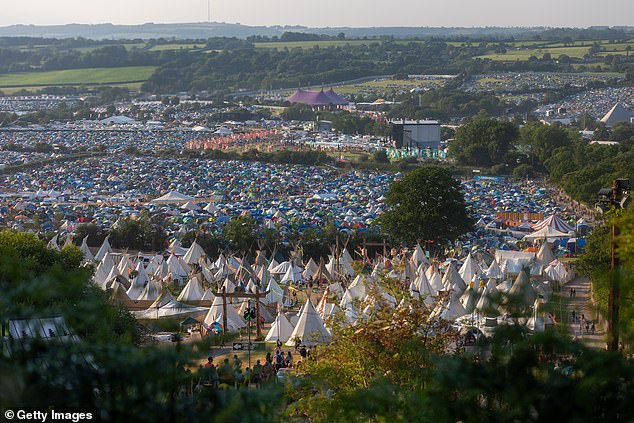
317,98
617,114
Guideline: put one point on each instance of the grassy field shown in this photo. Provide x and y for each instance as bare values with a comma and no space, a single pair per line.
166,47
525,54
310,44
92,76
128,46
132,86
514,43
577,49
386,86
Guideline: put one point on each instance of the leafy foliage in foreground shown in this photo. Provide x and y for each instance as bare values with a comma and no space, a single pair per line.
595,263
386,373
397,366
37,281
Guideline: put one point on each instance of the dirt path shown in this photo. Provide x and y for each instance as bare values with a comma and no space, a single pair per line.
581,304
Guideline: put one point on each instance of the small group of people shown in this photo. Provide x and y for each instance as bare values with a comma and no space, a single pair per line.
585,326
573,293
232,374
279,360
588,326
226,373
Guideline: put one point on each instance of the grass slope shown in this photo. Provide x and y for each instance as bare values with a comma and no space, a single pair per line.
310,44
91,76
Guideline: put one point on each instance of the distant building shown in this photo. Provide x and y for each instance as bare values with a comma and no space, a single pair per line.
416,133
617,114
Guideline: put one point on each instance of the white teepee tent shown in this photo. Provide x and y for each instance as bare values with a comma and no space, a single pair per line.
193,291
194,253
151,291
85,250
234,320
310,328
469,269
138,283
105,248
281,329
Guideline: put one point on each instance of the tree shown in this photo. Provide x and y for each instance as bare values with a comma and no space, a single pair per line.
483,141
38,281
543,139
354,365
622,131
524,171
601,132
299,112
239,233
426,204
138,234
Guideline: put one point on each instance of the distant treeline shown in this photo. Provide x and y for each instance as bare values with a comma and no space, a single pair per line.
222,65
579,167
24,54
272,69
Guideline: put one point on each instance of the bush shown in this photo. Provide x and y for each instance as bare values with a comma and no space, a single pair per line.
380,156
524,171
499,169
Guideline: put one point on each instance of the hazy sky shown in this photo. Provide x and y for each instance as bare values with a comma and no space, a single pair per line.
325,12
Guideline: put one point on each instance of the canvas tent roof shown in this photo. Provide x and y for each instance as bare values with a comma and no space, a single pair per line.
151,291
310,328
276,293
193,291
173,197
194,252
103,250
547,233
554,222
44,328
118,296
85,250
234,320
452,280
469,268
617,114
317,98
545,254
166,306
280,329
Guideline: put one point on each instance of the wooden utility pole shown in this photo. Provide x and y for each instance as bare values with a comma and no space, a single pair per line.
366,244
257,312
615,291
224,310
257,296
